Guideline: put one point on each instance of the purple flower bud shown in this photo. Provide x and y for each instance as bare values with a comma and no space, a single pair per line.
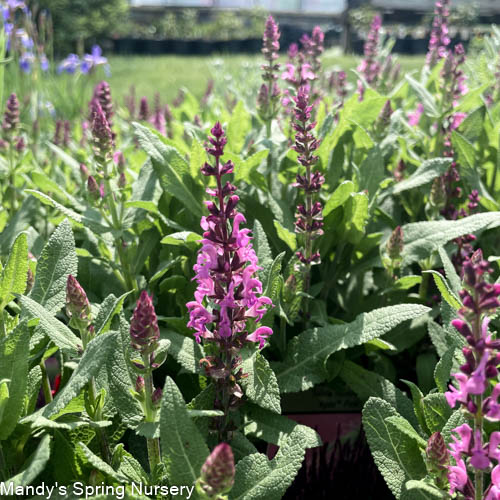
102,93
217,473
156,396
144,329
20,145
77,304
395,244
101,133
139,384
436,451
84,172
67,133
122,180
93,188
11,116
143,109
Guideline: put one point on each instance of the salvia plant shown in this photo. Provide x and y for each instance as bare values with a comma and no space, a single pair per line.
176,276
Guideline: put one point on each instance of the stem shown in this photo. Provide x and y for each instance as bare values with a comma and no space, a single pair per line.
3,332
3,466
424,285
283,335
12,178
150,416
47,391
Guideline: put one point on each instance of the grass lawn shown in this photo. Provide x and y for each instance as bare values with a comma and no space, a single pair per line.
166,74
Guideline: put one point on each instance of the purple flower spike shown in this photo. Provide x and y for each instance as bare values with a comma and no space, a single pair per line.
370,67
439,40
309,217
143,109
101,132
102,93
11,117
217,473
144,330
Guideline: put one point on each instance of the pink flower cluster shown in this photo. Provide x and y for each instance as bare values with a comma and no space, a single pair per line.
228,293
439,39
479,299
370,66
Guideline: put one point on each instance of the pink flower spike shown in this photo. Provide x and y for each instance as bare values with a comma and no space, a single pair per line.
457,476
260,335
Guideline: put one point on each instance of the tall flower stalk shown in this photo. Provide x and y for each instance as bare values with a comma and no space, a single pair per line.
469,449
309,216
104,184
269,93
370,65
78,310
439,39
228,301
144,334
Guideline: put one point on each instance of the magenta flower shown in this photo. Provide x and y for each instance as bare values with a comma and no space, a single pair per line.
439,39
414,117
457,476
493,492
144,331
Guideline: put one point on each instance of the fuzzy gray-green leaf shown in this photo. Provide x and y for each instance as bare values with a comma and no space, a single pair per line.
15,272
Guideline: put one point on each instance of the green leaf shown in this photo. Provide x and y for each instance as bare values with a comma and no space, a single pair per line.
49,326
437,411
355,217
456,419
338,197
97,463
261,385
34,466
425,97
14,352
417,398
91,219
183,449
371,171
108,310
443,370
257,478
473,125
184,350
425,173
451,275
286,236
397,456
406,428
366,383
197,158
425,489
444,338
445,290
245,170
57,261
120,380
172,169
423,238
96,354
304,364
273,280
274,428
262,249
15,273
238,127
181,238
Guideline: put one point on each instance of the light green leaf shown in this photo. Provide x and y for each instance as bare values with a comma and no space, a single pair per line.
451,275
304,364
99,464
184,350
437,411
14,353
183,449
181,238
197,158
366,383
423,238
445,290
443,370
425,97
262,249
110,307
261,385
96,354
406,428
238,127
244,169
57,261
50,326
274,428
355,216
338,197
15,273
286,236
425,489
257,478
425,173
172,169
397,456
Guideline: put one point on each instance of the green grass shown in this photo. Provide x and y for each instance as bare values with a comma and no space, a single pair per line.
166,74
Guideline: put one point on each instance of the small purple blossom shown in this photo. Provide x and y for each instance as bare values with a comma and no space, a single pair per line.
69,65
439,39
92,60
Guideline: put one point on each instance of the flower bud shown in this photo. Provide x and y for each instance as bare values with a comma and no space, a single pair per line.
84,172
101,132
156,397
139,384
144,329
437,196
93,188
143,109
11,116
122,180
395,244
436,451
217,473
77,304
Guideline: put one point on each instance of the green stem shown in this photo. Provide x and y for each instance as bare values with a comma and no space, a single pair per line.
3,332
12,178
150,415
283,335
4,473
47,391
424,285
153,453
